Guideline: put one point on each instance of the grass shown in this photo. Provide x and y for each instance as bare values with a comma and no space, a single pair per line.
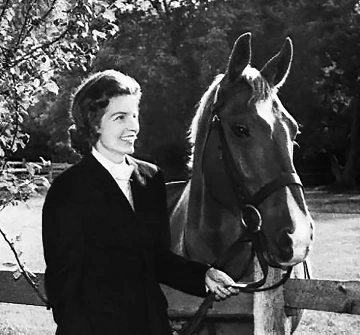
336,255
26,220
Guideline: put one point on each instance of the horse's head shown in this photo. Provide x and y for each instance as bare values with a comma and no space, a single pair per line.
247,151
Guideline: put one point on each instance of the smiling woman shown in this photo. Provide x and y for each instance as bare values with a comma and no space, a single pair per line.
106,232
118,128
103,109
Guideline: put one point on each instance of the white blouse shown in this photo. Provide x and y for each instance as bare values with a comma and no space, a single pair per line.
120,172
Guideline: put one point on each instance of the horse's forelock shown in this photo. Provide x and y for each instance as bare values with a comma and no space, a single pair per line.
260,87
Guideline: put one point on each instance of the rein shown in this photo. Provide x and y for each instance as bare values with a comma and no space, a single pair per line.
250,219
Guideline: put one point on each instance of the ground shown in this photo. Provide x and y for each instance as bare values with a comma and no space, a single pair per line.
336,255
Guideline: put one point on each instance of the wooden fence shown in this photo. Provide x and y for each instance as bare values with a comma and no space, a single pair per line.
44,168
322,295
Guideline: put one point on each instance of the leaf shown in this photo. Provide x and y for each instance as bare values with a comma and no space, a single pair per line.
98,34
52,87
36,82
42,181
29,272
17,274
109,15
9,264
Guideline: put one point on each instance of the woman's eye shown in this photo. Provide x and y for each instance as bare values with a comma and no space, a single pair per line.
119,117
241,131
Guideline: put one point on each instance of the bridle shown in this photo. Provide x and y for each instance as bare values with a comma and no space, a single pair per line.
248,203
250,220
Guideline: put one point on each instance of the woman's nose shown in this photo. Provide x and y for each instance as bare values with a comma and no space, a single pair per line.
133,124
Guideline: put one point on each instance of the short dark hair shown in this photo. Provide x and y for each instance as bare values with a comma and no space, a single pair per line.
89,102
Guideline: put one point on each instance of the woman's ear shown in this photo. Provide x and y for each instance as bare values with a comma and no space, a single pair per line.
97,129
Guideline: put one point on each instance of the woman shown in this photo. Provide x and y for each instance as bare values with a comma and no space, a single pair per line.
105,226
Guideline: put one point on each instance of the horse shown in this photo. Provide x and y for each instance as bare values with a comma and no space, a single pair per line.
241,165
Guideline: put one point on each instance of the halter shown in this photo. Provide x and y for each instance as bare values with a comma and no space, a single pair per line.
250,219
247,203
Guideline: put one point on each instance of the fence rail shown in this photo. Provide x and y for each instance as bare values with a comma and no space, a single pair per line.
44,168
337,296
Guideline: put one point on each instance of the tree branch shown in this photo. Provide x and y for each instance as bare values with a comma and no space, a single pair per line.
5,6
27,15
24,271
42,19
32,51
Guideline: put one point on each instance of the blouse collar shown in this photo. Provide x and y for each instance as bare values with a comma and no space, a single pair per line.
121,171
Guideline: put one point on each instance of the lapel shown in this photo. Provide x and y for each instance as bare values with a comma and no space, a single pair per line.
104,182
136,225
138,185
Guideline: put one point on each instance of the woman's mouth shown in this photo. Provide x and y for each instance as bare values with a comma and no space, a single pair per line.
129,139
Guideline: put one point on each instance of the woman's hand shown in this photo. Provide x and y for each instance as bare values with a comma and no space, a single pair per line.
219,283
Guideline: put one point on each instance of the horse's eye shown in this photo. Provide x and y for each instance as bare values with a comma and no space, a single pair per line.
241,131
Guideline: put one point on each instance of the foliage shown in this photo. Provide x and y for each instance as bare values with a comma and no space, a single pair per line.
174,52
175,49
39,40
336,130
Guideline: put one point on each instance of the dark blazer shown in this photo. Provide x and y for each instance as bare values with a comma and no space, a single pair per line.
105,261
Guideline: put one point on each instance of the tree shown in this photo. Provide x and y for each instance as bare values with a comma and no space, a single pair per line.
322,89
338,87
38,39
175,48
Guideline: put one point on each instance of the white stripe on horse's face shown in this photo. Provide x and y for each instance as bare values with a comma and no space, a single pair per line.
264,110
301,238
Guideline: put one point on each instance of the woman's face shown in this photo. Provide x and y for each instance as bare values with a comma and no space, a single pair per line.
119,127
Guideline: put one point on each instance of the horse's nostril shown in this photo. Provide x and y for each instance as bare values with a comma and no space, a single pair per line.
284,239
285,244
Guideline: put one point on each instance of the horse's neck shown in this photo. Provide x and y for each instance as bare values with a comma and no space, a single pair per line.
178,220
203,229
211,227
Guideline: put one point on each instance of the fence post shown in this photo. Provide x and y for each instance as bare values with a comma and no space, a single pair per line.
50,178
269,306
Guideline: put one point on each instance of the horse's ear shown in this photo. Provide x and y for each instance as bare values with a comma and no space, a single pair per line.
240,56
276,70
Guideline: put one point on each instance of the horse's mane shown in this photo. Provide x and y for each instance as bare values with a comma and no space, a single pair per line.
261,90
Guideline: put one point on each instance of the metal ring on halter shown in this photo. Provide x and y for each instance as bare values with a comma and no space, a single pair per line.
252,221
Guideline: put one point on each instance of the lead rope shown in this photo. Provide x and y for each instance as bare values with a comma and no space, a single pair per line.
237,247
